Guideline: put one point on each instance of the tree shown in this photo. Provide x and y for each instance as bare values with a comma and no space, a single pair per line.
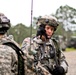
66,15
35,19
20,32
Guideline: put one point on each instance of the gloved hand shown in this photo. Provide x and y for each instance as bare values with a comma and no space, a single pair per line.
58,71
41,31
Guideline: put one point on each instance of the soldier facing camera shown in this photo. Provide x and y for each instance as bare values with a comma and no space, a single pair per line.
48,58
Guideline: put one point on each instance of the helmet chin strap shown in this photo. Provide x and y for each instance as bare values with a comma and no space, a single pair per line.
48,37
44,38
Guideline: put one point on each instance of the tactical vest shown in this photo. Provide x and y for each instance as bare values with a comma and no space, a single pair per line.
40,55
57,48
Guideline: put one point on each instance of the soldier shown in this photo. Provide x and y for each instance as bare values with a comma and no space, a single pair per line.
29,57
8,56
48,59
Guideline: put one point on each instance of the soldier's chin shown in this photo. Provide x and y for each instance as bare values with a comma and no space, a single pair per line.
49,37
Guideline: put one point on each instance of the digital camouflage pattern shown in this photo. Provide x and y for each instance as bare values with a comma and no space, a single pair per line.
8,59
40,62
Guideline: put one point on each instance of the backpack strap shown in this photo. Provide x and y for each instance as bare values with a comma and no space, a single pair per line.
58,52
20,55
57,48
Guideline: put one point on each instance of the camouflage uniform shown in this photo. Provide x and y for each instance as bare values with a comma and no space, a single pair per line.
29,57
41,60
8,56
42,52
8,59
45,59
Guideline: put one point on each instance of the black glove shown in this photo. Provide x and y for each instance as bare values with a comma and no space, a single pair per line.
41,31
58,71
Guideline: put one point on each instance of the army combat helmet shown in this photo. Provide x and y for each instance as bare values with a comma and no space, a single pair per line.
4,23
50,20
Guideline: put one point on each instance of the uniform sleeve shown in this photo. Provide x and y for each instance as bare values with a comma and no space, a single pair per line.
28,55
63,62
25,45
61,56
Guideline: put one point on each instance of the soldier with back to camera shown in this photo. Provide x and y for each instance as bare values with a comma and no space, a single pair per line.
9,64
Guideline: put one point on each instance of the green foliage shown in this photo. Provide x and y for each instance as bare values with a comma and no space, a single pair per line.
60,30
20,32
66,15
70,49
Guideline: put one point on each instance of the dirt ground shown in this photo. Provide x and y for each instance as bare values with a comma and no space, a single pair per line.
71,59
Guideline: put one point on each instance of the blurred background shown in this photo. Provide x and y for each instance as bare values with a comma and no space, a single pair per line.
66,31
19,13
23,24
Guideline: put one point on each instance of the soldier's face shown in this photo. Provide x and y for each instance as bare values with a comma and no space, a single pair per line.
49,30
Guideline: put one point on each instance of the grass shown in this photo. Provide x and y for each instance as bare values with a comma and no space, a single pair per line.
70,49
